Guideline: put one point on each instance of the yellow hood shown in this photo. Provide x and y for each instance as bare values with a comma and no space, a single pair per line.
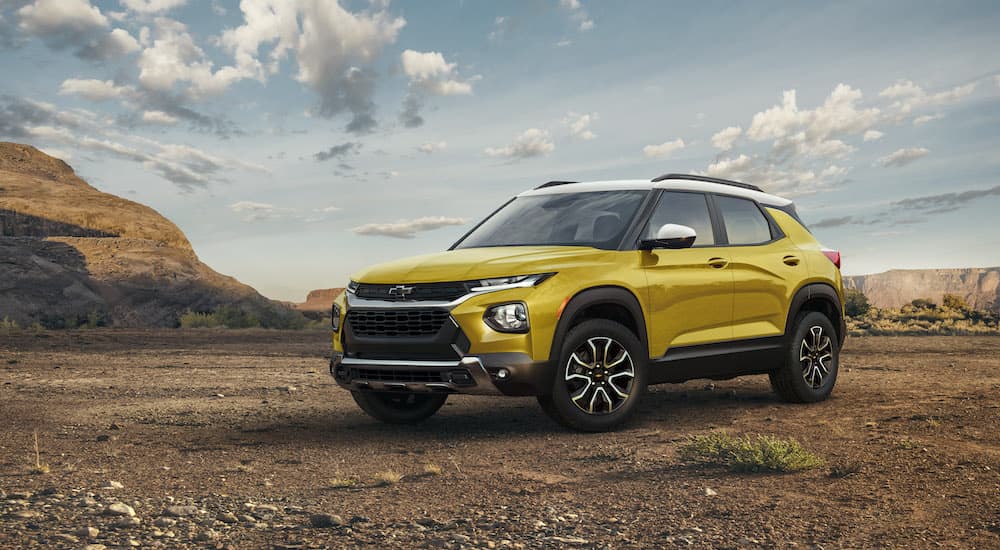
479,263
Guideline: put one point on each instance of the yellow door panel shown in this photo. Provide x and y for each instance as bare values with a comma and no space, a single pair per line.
690,297
764,278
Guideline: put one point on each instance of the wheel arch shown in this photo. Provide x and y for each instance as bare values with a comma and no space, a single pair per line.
822,298
614,303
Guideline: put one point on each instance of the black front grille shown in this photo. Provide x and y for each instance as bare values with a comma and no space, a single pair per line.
414,292
379,375
395,323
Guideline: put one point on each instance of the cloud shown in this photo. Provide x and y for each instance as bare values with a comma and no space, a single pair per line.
158,117
787,180
578,14
924,119
253,211
579,125
173,58
407,229
944,202
152,6
725,139
92,89
75,25
902,157
433,147
872,135
839,115
533,142
664,149
338,151
429,75
503,26
907,96
835,222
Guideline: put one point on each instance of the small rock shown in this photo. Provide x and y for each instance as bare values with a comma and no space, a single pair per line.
22,495
165,522
247,518
88,532
112,485
569,540
325,520
119,509
26,514
181,511
458,537
128,521
709,492
70,539
218,395
269,508
134,543
288,389
103,437
207,535
95,547
227,517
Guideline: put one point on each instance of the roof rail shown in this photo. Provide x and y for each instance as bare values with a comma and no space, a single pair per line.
706,179
554,183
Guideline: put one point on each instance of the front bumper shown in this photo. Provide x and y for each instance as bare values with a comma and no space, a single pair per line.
486,374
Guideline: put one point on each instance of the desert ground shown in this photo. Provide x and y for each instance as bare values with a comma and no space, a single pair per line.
215,438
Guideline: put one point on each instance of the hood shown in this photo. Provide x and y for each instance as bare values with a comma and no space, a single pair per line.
479,263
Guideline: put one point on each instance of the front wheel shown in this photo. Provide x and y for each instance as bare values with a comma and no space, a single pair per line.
811,361
399,408
600,377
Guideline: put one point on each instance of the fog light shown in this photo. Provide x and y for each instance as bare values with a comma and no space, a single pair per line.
507,317
502,374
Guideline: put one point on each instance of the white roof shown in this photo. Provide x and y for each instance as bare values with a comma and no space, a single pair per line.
670,184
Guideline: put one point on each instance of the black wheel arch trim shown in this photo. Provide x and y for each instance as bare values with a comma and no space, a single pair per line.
610,294
822,291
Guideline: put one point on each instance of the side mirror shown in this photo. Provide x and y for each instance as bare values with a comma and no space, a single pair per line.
670,235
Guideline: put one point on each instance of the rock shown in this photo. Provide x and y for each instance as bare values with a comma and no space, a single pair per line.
95,547
709,492
103,437
119,509
87,502
22,495
207,535
63,537
128,521
165,522
325,520
458,537
568,540
288,389
227,517
181,511
267,508
27,514
87,532
112,485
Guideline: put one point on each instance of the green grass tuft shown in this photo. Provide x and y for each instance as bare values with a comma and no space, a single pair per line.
748,453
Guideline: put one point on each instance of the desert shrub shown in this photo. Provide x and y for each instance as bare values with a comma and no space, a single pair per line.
227,316
748,453
955,302
923,303
193,319
855,303
8,325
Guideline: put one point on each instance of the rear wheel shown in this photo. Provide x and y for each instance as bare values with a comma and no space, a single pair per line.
600,377
399,408
811,361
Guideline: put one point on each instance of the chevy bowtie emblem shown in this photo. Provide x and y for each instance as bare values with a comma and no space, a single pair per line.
400,291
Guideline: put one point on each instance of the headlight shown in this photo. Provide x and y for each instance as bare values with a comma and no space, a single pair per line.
511,317
352,287
335,318
517,281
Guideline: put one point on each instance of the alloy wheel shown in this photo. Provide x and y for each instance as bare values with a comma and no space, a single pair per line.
599,375
815,356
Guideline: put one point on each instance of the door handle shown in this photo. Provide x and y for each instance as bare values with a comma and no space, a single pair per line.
791,260
718,263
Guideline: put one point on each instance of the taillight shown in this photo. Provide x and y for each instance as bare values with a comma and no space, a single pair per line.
834,256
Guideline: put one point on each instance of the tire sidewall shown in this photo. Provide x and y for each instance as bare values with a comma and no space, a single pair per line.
562,406
806,392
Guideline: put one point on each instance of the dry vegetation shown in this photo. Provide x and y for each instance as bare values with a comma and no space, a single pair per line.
952,317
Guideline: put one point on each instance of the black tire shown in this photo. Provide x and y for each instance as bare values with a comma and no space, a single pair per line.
811,361
399,408
627,376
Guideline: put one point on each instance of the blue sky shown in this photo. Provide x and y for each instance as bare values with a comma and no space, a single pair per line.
297,141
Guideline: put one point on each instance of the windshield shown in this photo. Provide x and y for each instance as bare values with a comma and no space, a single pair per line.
598,219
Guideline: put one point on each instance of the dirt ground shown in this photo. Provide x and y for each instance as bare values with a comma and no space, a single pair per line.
237,438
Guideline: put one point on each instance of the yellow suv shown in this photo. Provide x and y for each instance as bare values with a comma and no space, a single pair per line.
582,294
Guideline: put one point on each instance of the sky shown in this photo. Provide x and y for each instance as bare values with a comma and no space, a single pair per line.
297,141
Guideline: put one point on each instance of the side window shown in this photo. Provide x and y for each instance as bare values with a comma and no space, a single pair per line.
690,209
745,223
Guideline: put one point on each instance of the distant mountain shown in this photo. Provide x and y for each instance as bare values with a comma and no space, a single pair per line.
979,286
69,251
320,300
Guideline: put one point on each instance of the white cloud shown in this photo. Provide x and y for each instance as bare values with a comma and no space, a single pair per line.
75,25
664,149
579,125
909,96
407,229
902,157
578,14
433,147
253,211
924,119
174,58
788,181
431,72
564,43
570,4
532,142
586,25
725,139
838,115
92,89
158,117
152,6
872,135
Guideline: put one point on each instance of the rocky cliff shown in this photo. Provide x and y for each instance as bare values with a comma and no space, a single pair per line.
69,252
979,286
320,300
